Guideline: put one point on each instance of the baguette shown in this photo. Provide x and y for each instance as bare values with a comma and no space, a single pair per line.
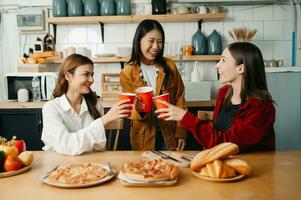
217,169
44,54
240,166
219,152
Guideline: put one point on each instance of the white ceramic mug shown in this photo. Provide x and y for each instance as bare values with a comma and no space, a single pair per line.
23,95
202,9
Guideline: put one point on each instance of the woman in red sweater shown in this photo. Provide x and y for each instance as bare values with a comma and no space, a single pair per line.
244,112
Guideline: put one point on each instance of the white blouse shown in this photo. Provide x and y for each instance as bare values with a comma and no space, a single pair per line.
150,73
68,132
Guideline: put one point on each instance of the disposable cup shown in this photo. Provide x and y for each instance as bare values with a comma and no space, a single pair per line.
145,94
163,97
130,96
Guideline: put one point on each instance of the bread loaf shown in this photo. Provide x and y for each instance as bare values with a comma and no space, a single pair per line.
219,152
218,169
240,166
44,54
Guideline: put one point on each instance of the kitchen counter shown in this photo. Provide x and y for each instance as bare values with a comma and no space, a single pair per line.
283,69
275,175
105,103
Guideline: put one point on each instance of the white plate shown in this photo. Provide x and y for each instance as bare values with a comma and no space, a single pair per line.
235,178
105,55
12,173
131,182
92,183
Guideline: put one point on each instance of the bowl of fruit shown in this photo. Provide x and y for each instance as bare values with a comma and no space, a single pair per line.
14,159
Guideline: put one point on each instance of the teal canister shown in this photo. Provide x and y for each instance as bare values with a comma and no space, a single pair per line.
91,7
59,8
107,7
214,43
199,44
123,7
75,8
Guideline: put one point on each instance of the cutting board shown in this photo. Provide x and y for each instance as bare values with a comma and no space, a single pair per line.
179,156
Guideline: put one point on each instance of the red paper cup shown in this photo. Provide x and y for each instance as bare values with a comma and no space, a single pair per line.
130,96
163,97
145,94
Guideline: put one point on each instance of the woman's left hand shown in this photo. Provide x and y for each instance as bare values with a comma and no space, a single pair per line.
181,144
171,112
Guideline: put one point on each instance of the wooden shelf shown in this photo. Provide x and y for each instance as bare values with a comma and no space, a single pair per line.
116,59
135,19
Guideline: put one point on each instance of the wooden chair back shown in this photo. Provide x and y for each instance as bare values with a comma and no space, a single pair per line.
114,126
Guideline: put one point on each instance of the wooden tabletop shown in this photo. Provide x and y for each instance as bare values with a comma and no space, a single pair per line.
274,176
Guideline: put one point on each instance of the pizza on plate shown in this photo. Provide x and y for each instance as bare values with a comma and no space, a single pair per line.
150,170
78,173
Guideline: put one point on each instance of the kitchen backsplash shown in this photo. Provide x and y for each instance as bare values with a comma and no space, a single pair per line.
273,22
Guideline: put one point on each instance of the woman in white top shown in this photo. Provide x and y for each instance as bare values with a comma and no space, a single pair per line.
73,122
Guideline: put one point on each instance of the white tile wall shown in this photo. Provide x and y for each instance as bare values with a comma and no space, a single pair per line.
274,24
273,30
243,13
263,13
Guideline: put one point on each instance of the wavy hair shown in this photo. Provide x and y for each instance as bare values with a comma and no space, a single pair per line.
69,65
254,82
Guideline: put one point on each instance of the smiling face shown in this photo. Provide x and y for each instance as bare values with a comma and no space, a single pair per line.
151,44
228,70
81,79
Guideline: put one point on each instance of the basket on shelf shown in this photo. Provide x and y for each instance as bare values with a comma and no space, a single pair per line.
110,85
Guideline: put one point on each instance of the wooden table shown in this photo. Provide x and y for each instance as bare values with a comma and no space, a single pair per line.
274,176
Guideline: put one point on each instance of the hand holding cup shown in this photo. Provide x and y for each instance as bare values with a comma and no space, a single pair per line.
130,97
171,112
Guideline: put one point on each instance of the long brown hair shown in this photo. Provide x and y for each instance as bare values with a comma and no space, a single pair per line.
69,65
143,28
254,80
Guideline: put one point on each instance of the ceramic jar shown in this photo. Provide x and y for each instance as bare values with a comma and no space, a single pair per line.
214,43
123,7
75,8
59,8
107,7
91,8
23,95
199,43
159,6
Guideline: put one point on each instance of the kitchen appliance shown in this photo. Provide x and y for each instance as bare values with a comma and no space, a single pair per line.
15,81
30,19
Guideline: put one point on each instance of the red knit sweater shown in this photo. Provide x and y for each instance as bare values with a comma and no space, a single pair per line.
252,127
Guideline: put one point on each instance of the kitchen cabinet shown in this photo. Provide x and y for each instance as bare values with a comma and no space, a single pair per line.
25,124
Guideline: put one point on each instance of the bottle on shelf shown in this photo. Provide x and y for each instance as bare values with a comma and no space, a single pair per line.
36,89
195,74
199,41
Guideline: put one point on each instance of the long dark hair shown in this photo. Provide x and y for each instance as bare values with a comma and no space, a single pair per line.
254,82
69,65
143,28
